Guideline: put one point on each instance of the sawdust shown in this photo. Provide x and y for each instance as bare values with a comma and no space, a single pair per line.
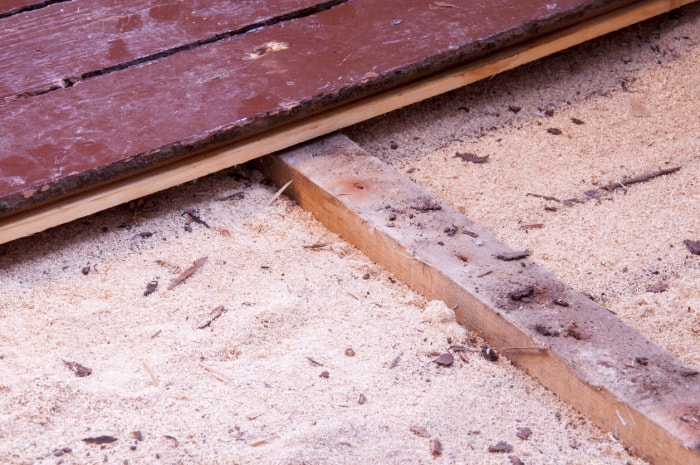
270,379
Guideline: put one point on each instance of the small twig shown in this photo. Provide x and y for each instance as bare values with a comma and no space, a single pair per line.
213,315
263,441
510,256
216,374
278,193
195,217
154,380
639,179
188,272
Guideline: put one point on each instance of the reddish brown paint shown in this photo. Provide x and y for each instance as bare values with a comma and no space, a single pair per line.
126,121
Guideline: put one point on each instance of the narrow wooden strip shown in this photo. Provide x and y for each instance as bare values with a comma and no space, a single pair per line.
53,47
579,350
119,191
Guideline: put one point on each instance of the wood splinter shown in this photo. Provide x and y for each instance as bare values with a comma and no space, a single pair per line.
188,272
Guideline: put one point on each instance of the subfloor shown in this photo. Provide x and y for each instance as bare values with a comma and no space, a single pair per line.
321,356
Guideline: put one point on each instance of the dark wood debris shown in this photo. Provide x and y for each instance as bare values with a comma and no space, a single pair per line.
235,196
194,216
150,288
137,435
394,363
79,370
577,121
314,362
524,433
572,330
362,400
514,108
526,227
420,431
554,131
324,374
100,440
435,447
445,359
693,246
501,447
472,158
510,256
213,315
515,460
188,272
521,294
61,452
545,330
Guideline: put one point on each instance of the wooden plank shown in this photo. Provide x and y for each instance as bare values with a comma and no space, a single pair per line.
143,116
60,45
579,350
85,202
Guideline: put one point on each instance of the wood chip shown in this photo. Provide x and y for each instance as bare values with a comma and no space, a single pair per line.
521,294
79,370
510,256
419,431
446,359
362,400
314,362
501,447
188,272
693,246
100,440
525,227
213,315
435,447
515,460
554,131
524,433
470,157
150,288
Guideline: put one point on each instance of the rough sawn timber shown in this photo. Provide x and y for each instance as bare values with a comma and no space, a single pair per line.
573,346
23,220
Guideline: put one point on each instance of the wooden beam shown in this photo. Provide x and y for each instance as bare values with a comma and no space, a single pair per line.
576,348
119,191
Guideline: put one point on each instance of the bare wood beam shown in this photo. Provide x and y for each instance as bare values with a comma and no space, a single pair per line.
123,190
576,348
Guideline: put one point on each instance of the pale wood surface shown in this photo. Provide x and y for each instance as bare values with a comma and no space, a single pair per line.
122,190
614,375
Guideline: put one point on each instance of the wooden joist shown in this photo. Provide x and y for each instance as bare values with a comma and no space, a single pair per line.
24,211
628,386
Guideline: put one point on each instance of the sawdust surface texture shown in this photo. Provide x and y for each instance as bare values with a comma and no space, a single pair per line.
319,355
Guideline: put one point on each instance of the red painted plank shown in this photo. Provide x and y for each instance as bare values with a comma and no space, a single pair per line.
120,123
42,48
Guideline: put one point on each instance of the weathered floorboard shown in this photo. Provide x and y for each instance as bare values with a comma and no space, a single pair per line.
573,346
59,45
143,116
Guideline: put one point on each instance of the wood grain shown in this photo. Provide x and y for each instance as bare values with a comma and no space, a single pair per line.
576,348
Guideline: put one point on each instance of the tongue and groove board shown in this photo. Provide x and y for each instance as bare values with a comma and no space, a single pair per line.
261,79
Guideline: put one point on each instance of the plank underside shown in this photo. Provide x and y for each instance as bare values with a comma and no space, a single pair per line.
29,210
573,346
